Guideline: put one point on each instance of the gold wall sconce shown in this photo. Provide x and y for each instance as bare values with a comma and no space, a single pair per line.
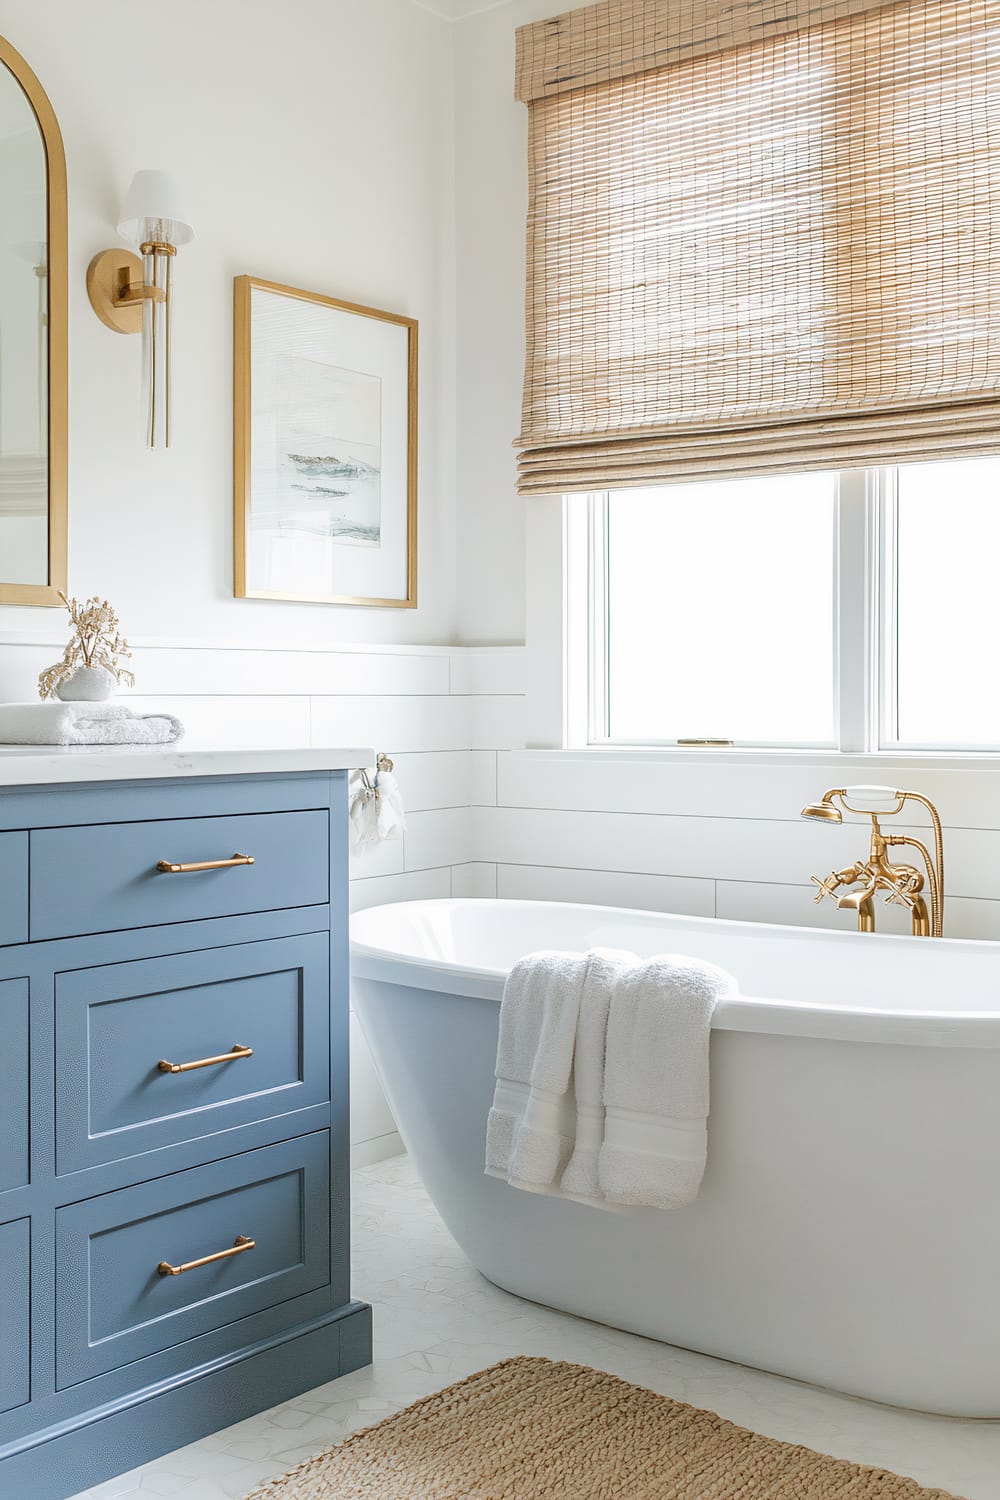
133,293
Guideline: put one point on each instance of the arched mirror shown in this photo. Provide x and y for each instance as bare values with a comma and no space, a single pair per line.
33,340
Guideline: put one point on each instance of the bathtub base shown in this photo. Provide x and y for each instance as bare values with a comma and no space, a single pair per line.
847,1232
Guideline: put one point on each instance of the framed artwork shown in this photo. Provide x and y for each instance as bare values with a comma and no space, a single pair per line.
325,449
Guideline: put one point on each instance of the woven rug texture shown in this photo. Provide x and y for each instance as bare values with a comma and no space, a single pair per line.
535,1429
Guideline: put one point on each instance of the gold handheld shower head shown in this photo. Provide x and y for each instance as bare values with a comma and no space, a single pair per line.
824,811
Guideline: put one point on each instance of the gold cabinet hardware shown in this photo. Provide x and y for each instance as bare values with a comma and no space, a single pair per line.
205,1062
240,1245
166,868
705,744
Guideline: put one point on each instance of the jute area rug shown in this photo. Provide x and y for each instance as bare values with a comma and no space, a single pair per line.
532,1429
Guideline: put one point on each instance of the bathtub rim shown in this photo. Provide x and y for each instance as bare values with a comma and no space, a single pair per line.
755,1014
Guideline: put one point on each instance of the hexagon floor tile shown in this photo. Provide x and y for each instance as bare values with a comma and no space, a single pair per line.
437,1320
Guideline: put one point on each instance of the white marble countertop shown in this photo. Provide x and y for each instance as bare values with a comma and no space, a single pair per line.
50,765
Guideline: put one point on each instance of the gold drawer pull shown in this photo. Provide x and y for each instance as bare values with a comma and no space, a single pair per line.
240,1244
205,1062
166,868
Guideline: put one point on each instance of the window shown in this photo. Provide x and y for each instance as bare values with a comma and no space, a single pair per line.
852,611
940,550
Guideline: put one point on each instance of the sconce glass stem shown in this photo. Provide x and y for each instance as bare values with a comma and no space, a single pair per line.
157,258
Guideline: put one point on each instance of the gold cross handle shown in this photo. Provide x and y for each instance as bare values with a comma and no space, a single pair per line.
827,887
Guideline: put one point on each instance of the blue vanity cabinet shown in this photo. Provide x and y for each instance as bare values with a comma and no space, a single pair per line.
13,887
127,1035
114,1303
15,1261
99,879
13,1084
174,1250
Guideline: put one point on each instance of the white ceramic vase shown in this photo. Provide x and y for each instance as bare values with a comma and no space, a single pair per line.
87,685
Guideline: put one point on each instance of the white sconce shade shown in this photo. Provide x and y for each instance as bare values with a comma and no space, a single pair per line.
150,212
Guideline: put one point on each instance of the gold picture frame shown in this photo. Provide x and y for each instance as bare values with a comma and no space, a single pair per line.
57,331
245,586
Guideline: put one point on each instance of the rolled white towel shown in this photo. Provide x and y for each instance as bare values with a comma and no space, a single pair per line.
656,1083
84,724
531,1126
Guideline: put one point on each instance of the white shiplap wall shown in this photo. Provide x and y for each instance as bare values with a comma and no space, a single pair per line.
422,705
711,837
485,817
723,841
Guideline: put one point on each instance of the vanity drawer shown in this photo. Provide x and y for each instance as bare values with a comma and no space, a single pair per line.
13,888
15,1341
115,1024
13,1084
113,1303
104,877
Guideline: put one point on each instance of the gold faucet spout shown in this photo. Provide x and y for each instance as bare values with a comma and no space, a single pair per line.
854,900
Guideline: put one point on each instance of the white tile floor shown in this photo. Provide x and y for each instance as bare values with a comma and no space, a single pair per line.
437,1320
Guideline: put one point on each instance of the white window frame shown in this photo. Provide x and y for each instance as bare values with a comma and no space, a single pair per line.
864,664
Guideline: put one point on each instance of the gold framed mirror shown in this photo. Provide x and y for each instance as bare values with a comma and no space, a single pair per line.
33,340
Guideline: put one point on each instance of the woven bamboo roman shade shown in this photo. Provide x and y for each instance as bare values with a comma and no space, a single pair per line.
760,238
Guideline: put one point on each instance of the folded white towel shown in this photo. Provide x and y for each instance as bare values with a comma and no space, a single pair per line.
84,724
580,1180
656,1081
530,1129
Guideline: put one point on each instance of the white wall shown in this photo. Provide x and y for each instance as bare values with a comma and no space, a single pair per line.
715,842
314,144
492,200
313,141
350,146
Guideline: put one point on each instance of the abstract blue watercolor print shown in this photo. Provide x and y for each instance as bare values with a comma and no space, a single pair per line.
329,441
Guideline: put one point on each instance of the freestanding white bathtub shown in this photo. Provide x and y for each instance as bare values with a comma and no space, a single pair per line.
848,1228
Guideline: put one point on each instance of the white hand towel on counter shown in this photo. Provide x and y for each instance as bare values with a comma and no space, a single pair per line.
84,724
530,1129
580,1181
656,1087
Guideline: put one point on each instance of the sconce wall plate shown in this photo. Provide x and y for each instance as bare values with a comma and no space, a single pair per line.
116,291
109,276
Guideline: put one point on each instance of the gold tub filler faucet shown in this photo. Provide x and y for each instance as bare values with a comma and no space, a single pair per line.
903,884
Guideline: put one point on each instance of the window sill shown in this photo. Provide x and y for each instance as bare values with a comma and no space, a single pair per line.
878,761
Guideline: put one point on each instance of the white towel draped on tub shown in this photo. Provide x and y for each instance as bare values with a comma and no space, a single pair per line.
656,1086
84,724
580,1180
530,1130
602,1078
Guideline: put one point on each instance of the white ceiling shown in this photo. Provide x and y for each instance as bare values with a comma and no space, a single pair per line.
457,10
